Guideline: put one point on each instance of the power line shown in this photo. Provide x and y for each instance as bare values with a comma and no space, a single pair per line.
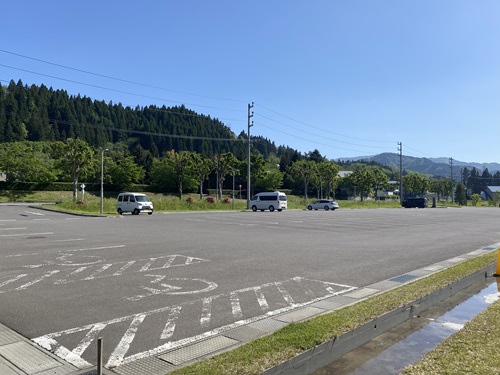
63,122
115,78
115,90
309,140
331,139
318,128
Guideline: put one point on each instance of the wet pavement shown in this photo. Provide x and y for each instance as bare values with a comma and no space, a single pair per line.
391,352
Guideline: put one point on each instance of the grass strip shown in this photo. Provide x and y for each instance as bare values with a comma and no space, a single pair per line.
263,353
472,350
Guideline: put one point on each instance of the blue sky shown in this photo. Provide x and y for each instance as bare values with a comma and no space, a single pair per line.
348,78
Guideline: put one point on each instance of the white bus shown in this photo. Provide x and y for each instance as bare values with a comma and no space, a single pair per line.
271,201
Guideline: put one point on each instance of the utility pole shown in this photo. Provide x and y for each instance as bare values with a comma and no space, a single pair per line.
451,178
400,149
250,115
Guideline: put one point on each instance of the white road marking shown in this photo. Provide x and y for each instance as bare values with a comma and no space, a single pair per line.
34,213
12,280
99,271
75,272
118,357
288,298
171,289
7,220
18,228
235,305
41,219
27,285
26,234
71,240
169,329
87,340
64,251
89,271
206,311
261,298
121,270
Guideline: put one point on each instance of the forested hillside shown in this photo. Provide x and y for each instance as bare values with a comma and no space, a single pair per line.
43,114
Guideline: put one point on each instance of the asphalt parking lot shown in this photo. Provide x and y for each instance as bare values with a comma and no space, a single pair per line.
148,282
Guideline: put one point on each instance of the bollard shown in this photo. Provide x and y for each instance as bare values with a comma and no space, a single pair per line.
99,356
497,273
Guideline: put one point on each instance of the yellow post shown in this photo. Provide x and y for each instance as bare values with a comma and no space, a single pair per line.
497,273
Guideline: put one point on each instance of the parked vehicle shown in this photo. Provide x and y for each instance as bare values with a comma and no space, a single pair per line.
414,202
323,204
134,203
271,201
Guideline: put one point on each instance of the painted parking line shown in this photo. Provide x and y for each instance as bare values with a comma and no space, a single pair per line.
34,213
295,292
27,234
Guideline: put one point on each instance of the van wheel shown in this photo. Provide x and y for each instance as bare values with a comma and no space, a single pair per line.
119,211
309,207
254,208
150,213
279,210
271,208
327,208
136,212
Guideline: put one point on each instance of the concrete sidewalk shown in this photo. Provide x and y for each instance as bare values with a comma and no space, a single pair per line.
19,355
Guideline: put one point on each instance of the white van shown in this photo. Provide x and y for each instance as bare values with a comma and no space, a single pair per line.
134,203
271,201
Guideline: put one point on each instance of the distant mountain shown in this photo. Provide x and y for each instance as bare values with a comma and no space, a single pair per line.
430,166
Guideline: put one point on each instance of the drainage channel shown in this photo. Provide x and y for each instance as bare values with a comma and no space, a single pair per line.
392,351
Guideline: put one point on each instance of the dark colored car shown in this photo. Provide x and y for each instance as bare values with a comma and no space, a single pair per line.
414,202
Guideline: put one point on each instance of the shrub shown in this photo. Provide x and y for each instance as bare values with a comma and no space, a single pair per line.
475,198
211,199
190,199
227,200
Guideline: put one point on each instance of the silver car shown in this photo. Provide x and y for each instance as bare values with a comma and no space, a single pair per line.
323,204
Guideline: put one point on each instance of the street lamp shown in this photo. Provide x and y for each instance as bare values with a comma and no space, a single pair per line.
233,191
102,179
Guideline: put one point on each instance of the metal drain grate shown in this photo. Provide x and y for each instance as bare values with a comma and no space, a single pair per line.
488,248
403,278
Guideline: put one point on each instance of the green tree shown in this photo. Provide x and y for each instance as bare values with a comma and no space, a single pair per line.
415,184
328,173
258,171
380,179
27,161
304,170
163,175
272,178
201,168
125,172
460,196
363,180
76,158
181,163
442,187
224,164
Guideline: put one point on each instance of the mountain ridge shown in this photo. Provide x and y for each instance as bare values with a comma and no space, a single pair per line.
433,166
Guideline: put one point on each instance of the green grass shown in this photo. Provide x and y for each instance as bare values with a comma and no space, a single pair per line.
269,351
163,202
473,350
